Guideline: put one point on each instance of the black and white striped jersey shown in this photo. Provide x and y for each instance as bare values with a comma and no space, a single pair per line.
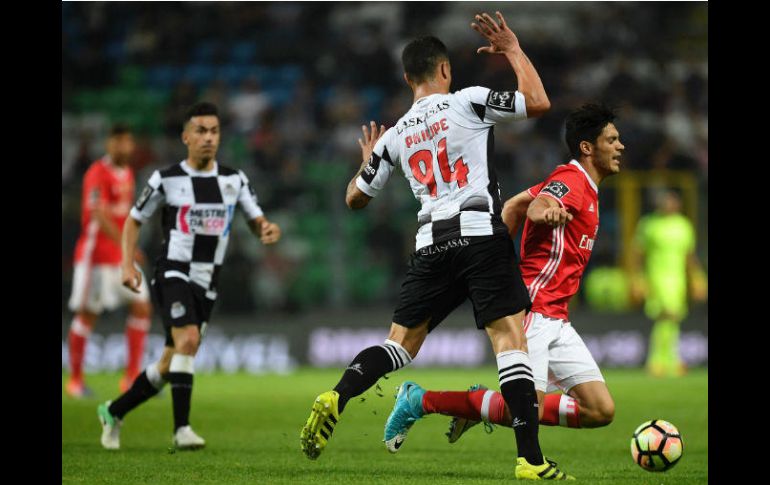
443,146
198,210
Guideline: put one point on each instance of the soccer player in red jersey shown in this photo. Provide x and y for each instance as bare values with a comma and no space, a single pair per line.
108,192
561,222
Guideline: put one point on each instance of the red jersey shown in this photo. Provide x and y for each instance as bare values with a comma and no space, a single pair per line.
553,258
112,188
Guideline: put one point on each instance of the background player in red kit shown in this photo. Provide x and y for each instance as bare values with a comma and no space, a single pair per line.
562,221
108,192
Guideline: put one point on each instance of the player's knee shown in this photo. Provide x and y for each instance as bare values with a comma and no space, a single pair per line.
604,413
141,309
187,342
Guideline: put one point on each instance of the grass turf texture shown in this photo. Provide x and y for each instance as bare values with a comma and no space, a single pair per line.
251,425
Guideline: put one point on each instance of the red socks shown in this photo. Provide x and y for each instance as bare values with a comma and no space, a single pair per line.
486,405
560,410
77,339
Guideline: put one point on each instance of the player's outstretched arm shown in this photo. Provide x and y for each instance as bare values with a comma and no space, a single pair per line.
515,210
131,276
354,197
267,232
503,41
545,210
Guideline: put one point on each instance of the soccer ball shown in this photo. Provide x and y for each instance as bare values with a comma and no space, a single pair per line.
656,445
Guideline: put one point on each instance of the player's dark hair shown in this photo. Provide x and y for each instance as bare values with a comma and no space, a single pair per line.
421,56
204,108
586,124
118,129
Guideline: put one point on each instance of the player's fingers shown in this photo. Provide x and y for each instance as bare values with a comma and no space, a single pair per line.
360,143
382,131
483,27
476,27
491,22
486,49
569,217
366,132
501,20
374,130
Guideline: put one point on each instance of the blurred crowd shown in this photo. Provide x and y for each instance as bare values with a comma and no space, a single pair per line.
295,82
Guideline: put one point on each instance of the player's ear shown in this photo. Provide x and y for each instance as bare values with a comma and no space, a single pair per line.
586,148
444,69
406,78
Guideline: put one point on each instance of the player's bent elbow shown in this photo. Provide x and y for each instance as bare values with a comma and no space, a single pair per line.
355,202
538,108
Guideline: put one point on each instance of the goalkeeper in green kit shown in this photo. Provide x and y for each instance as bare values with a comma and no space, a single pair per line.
665,250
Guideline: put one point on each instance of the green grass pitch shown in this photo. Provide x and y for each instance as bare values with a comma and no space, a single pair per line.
251,425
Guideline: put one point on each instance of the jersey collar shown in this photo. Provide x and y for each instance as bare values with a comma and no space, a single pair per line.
191,171
588,177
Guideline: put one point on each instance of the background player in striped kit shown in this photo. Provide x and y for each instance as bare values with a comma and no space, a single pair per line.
462,246
108,189
562,221
198,197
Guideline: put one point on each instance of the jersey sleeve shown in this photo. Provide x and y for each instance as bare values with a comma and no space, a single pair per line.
247,198
150,199
378,170
489,107
535,189
566,187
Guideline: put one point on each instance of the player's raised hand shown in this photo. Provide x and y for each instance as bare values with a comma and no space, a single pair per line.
270,233
556,216
132,278
370,139
501,38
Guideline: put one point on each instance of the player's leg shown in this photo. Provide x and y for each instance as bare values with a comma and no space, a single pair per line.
146,385
518,389
499,298
420,298
487,405
80,330
85,303
586,402
137,327
180,376
363,372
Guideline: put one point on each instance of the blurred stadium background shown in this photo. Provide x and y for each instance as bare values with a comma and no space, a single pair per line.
295,81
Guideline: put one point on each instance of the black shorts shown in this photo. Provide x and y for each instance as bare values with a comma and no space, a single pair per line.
180,303
441,276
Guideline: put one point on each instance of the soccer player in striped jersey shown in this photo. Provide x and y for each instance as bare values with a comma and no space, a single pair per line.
443,146
561,217
108,189
198,197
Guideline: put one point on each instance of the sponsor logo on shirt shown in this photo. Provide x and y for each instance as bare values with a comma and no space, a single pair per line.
586,243
201,219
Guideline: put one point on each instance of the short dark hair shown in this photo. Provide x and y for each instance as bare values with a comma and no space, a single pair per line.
421,56
204,108
586,124
120,128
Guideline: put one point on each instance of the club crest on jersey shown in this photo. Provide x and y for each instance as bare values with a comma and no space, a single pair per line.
501,100
556,188
230,190
177,310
